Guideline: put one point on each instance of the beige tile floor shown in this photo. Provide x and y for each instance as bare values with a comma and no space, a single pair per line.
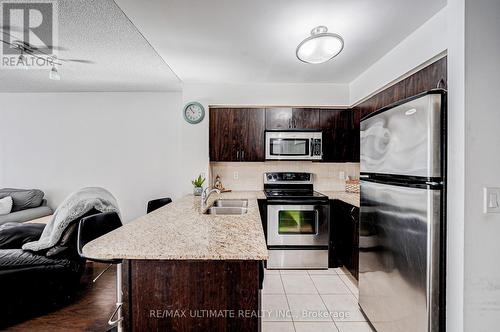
311,300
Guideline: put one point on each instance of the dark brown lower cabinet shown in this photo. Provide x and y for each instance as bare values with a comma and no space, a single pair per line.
192,295
344,236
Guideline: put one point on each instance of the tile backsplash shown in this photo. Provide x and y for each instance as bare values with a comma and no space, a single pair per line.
249,175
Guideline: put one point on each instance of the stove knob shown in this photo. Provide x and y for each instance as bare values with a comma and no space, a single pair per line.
275,177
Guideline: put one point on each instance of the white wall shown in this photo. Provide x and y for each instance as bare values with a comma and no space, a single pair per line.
425,43
128,143
482,151
269,94
456,168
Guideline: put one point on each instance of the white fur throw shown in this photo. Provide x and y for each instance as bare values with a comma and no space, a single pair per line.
73,207
5,205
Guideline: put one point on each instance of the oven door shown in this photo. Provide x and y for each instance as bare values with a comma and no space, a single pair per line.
297,225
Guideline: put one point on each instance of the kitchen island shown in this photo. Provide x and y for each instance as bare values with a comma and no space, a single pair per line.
185,270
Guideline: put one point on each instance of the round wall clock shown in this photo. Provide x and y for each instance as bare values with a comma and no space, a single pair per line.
194,112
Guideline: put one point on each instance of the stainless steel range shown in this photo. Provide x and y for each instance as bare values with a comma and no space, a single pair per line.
297,222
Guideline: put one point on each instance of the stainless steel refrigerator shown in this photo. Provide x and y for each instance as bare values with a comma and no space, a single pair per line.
402,215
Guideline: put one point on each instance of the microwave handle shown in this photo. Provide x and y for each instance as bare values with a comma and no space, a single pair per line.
312,146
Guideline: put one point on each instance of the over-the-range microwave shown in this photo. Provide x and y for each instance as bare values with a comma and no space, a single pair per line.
294,145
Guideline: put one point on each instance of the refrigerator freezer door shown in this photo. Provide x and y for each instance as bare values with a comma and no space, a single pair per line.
399,257
404,140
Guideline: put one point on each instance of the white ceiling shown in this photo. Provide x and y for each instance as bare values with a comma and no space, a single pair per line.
242,41
98,31
223,41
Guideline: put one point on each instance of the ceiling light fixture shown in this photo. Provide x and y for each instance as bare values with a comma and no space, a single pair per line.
320,46
23,60
54,74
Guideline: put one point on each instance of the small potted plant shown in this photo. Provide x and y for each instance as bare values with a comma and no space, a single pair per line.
198,185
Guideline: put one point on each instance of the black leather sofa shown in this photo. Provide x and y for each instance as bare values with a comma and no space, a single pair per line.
33,284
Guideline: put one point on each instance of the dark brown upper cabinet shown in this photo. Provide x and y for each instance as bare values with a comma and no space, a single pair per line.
279,118
340,135
305,118
285,118
390,95
236,134
431,77
251,133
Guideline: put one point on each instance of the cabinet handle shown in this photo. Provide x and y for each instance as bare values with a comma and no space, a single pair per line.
352,214
294,123
289,123
238,155
242,155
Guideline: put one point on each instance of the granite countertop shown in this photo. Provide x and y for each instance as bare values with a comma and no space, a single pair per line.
350,198
178,231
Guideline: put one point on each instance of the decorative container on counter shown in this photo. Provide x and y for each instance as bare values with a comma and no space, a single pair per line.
198,185
197,191
352,186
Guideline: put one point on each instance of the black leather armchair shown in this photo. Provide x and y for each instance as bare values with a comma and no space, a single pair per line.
32,283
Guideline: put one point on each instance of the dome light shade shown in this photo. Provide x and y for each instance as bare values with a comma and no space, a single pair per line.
320,47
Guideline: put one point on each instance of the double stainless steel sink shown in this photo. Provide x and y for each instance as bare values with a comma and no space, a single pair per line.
229,207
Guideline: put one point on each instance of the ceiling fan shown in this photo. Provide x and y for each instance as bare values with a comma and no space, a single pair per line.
28,49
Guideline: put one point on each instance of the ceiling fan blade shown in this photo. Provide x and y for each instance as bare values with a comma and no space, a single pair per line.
78,60
58,48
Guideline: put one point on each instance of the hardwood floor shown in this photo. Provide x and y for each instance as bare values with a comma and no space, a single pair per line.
88,312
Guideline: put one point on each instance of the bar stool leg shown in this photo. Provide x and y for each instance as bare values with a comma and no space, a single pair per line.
119,301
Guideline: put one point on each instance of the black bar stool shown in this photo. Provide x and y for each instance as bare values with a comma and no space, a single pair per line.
158,203
90,228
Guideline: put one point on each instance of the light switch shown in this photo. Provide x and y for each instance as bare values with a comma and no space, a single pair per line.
491,200
236,176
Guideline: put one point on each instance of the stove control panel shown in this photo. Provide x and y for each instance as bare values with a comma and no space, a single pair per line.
288,177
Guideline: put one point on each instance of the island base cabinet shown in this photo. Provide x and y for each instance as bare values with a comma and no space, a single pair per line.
187,295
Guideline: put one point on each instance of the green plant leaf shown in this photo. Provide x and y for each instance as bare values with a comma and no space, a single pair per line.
198,182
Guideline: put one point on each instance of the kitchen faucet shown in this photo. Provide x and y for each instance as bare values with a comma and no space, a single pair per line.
205,195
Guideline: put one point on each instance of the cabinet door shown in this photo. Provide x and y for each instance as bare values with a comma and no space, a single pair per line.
251,133
340,234
335,247
390,95
223,134
354,250
279,118
305,118
431,77
340,142
345,237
